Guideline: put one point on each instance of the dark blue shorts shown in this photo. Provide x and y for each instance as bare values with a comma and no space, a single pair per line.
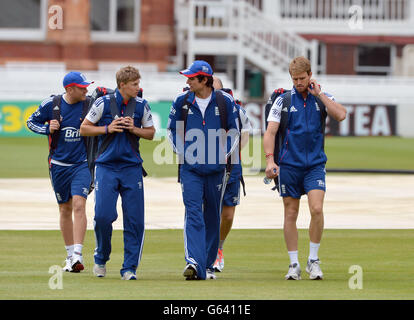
70,181
295,182
232,194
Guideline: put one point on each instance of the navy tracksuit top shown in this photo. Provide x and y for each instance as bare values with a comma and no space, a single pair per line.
120,152
71,146
209,163
303,145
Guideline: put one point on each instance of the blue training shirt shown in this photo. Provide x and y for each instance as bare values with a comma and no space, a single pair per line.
71,147
120,152
303,145
202,147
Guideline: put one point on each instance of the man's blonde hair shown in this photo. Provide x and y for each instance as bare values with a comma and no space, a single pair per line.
300,65
127,74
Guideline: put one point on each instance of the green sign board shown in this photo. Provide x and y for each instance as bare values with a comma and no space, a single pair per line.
14,114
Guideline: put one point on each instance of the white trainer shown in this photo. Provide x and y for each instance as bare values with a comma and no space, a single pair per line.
219,263
99,270
77,263
68,265
294,272
210,275
314,270
129,275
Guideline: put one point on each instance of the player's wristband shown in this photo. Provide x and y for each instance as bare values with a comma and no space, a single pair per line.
106,129
267,155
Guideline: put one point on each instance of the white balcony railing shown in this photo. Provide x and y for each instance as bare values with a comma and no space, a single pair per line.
373,10
389,17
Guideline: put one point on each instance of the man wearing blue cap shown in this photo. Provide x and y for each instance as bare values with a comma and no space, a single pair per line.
68,166
204,143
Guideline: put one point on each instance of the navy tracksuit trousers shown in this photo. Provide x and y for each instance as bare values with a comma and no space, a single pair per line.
111,182
202,196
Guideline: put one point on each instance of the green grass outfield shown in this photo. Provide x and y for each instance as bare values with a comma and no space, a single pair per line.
255,264
256,260
27,157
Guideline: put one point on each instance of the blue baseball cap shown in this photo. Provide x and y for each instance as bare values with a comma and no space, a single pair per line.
198,67
75,78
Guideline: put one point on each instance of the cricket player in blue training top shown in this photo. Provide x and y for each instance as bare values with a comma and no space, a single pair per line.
120,119
68,166
302,159
195,129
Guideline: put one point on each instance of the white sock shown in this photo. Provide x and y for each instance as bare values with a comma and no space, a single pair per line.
293,255
69,250
77,249
313,250
221,243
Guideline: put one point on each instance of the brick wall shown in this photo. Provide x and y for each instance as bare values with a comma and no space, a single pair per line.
73,45
340,59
